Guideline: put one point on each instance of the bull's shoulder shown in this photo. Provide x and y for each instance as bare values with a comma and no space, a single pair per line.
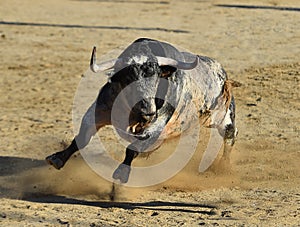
214,67
207,64
107,95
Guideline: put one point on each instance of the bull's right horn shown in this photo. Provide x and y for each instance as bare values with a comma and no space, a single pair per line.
100,67
177,64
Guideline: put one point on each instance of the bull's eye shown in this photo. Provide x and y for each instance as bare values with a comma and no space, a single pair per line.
167,71
149,71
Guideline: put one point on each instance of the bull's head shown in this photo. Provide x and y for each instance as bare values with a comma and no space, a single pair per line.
144,75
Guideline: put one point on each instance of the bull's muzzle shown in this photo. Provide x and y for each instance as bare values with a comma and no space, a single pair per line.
148,117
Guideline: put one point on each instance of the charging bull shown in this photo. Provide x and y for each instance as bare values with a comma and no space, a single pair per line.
147,98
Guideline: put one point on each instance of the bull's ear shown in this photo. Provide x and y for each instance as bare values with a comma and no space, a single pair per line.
167,70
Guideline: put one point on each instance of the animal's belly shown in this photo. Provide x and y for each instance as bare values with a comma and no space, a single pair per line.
172,129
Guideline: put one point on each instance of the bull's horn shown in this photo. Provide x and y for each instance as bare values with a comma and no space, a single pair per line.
177,64
100,67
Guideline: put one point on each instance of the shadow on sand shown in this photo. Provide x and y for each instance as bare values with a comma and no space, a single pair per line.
34,24
152,205
128,2
282,8
15,165
12,170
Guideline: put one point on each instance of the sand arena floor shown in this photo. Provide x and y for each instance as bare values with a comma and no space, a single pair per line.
45,48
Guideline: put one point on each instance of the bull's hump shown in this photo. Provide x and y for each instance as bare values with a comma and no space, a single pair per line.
150,48
144,40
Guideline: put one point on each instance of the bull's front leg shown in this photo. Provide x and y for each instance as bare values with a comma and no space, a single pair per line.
93,119
123,171
143,142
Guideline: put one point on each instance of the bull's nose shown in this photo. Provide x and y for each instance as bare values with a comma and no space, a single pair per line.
149,116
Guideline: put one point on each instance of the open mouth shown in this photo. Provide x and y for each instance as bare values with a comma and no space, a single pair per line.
138,127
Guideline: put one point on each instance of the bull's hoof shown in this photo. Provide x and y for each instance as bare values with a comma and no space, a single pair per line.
55,161
122,173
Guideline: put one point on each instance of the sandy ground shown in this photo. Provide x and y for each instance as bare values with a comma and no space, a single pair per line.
45,49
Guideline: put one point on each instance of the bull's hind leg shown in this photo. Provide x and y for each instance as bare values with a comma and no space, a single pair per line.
229,132
93,119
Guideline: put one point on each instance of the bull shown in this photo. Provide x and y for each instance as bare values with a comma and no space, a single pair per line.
166,82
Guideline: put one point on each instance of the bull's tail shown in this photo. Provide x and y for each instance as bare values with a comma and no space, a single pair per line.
218,114
227,91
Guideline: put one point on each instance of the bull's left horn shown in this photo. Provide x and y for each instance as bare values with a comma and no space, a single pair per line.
100,67
177,64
